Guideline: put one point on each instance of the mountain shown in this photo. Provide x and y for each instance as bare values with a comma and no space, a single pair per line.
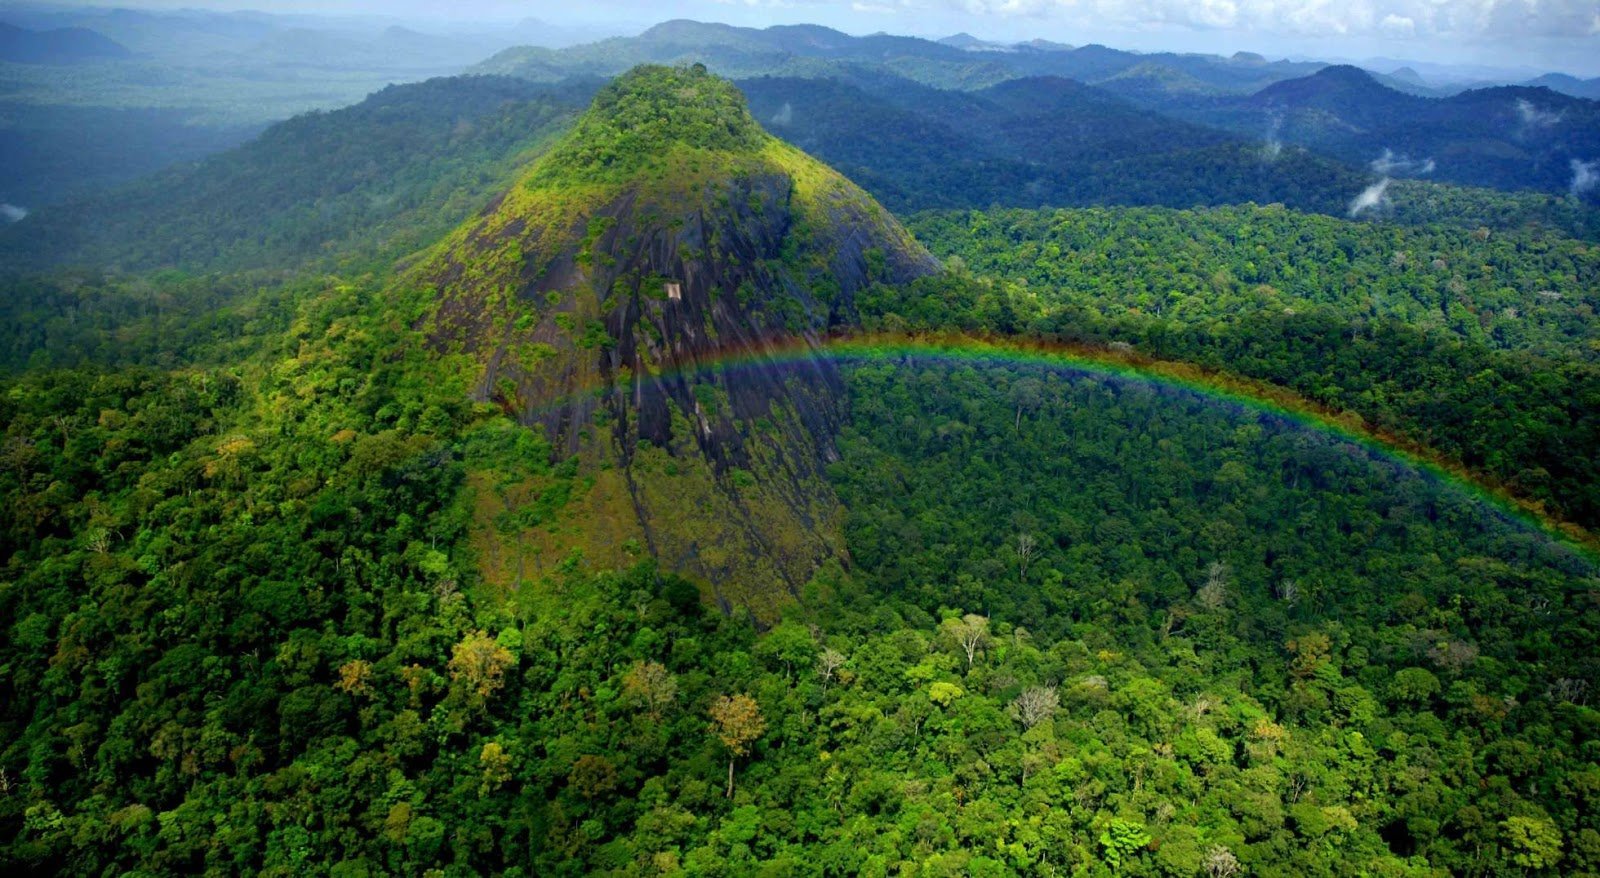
388,175
808,50
1152,83
1408,81
968,41
741,52
51,154
1408,75
1350,93
205,38
1507,137
402,49
1031,141
1567,85
70,45
600,297
193,83
385,176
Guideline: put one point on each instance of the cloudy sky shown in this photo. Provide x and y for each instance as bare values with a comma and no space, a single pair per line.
1543,34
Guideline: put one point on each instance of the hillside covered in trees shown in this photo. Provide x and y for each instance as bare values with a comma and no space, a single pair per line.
537,490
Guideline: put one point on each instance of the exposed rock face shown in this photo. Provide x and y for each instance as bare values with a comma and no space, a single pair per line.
666,321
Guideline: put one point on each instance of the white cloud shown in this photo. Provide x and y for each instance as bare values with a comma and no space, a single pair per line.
1371,198
1584,176
1398,26
1395,19
1010,7
1390,164
1533,117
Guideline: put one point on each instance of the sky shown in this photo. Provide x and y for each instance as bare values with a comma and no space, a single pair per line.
1532,34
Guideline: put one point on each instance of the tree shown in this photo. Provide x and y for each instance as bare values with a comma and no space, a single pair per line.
1036,704
788,644
651,685
1312,652
355,677
944,693
496,765
737,722
592,776
969,633
829,661
1288,591
1025,548
1535,842
1221,863
480,662
1026,393
1121,840
1414,685
1213,596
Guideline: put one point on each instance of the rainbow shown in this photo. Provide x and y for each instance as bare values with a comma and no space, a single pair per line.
1124,363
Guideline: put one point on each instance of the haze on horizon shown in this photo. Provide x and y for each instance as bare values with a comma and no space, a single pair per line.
1525,35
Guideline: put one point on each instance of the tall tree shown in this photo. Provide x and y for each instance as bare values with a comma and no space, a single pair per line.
737,722
969,633
651,685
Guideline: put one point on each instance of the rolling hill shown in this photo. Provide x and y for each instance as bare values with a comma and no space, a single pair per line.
63,46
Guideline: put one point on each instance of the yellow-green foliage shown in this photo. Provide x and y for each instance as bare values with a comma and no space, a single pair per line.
531,525
642,113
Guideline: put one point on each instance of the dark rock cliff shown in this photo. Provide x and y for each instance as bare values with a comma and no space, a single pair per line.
677,312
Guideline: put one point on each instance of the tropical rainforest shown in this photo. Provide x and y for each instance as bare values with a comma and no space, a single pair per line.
561,469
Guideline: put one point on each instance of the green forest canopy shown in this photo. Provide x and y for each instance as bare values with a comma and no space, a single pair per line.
1090,625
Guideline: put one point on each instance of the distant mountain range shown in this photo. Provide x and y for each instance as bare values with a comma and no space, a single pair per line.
1507,137
920,124
201,36
376,178
1569,85
958,62
149,89
1030,142
67,45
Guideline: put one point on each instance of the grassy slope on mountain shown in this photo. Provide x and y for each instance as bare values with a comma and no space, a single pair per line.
597,297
